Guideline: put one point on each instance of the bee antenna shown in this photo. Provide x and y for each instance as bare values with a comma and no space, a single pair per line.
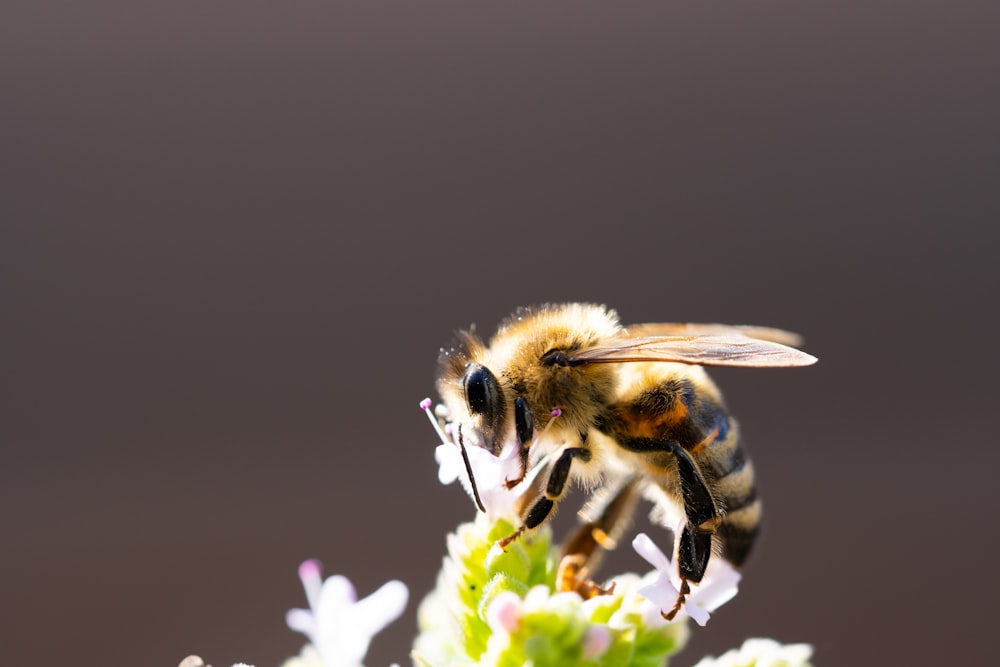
468,469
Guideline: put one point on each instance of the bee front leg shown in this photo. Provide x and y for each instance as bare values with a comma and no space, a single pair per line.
554,489
525,431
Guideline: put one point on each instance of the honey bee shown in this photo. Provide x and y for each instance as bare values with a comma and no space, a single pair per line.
637,416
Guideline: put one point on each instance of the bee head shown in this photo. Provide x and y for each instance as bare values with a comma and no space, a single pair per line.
473,394
487,405
490,411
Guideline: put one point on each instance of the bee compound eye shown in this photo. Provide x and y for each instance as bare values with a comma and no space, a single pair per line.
482,391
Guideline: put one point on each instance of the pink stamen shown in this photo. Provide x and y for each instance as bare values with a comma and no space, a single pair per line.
425,404
311,574
310,570
555,413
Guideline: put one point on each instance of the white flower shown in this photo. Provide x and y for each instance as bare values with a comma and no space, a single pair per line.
718,586
338,625
196,661
307,657
762,653
490,472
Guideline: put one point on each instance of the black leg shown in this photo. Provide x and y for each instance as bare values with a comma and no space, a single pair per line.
554,489
539,511
693,551
525,431
694,543
702,516
699,505
536,515
559,474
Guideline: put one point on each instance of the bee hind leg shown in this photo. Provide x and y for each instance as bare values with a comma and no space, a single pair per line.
694,548
582,553
554,489
694,544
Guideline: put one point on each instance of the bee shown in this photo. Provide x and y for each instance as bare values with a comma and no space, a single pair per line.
637,416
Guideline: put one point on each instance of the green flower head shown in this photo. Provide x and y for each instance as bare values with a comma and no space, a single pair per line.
496,607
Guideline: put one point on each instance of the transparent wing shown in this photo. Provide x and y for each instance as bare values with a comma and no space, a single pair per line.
717,350
657,330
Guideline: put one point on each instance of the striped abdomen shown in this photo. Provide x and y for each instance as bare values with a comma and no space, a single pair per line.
729,474
667,412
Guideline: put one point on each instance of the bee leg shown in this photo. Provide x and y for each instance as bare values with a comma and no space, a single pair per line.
525,431
693,551
694,544
699,504
582,553
554,488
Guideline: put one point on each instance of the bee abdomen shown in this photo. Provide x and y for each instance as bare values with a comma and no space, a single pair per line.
674,414
725,461
738,532
741,509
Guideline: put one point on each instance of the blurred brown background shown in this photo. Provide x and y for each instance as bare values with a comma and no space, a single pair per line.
235,234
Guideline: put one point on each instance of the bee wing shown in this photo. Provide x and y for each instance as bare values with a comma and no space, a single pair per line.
733,349
654,330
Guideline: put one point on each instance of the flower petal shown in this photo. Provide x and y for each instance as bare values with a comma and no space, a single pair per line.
450,464
661,592
646,548
335,638
381,608
720,585
346,628
337,592
302,620
697,614
762,653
